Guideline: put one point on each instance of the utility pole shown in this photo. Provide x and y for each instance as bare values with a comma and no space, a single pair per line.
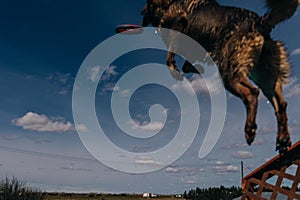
242,169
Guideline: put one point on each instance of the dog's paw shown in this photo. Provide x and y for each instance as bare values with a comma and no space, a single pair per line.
250,133
176,74
283,144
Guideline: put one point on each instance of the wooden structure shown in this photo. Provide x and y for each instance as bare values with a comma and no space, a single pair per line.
258,181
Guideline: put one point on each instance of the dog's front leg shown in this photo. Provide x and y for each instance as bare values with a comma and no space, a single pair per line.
173,19
175,72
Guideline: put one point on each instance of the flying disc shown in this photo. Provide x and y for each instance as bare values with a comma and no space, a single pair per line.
129,28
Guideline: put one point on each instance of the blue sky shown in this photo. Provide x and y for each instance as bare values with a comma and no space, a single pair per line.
42,45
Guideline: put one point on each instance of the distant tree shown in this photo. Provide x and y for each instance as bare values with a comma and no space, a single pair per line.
185,195
214,193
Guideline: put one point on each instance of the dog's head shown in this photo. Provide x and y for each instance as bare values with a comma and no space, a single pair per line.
154,10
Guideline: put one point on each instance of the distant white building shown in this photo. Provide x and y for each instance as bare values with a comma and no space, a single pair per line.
153,195
146,195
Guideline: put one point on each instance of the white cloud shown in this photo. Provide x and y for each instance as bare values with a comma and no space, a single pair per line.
61,81
72,167
212,87
223,168
108,87
10,137
243,155
231,168
108,79
174,169
63,91
94,73
42,123
241,144
292,89
200,85
81,127
37,139
259,142
125,93
144,160
189,182
201,170
58,77
140,149
187,170
220,163
296,51
64,78
267,130
165,111
110,72
145,126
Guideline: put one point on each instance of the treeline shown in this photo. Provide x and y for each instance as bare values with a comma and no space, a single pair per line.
215,193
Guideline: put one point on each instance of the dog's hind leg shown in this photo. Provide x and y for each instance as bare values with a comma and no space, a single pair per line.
239,56
274,95
243,88
283,141
274,69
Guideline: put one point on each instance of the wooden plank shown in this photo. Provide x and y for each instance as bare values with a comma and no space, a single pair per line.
250,196
296,182
262,184
285,175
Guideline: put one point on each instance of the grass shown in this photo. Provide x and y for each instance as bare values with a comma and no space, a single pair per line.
13,189
62,196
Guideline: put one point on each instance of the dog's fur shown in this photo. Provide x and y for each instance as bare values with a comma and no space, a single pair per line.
239,41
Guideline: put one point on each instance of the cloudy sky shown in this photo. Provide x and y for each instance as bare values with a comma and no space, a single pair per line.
42,46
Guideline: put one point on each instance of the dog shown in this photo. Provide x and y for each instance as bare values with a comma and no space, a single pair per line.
239,42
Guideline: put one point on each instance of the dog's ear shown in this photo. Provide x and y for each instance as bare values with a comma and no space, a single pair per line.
158,2
175,18
183,21
144,10
169,2
164,4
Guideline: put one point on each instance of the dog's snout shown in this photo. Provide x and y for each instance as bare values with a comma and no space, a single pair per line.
146,20
143,11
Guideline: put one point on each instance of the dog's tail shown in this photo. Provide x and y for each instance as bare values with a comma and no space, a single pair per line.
278,11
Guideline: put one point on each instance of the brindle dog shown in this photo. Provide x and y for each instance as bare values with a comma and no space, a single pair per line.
239,41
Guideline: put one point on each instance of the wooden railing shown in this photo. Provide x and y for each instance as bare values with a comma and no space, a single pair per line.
249,193
270,177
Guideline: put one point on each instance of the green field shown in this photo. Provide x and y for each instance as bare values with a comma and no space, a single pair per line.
14,189
103,197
